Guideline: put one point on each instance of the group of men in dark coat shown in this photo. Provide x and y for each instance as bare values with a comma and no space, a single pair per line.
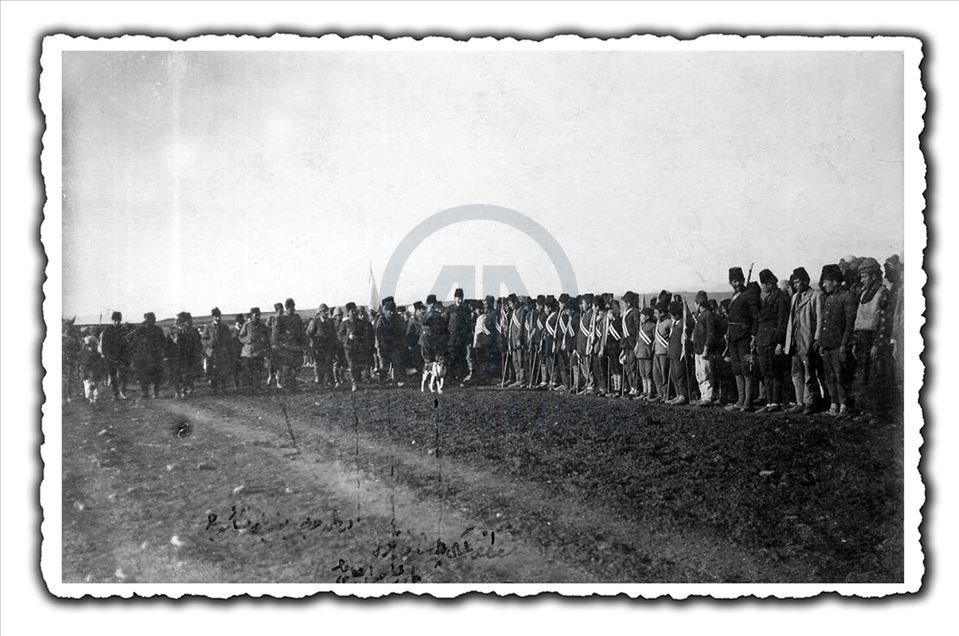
836,348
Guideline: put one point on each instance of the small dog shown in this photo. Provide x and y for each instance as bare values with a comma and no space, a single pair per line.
435,373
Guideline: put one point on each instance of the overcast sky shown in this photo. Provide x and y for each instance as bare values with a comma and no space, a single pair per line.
195,179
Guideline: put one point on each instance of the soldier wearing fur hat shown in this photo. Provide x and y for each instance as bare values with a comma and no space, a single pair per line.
872,332
434,336
184,354
582,367
321,337
567,328
549,346
516,339
236,349
596,347
740,337
390,336
836,338
803,331
287,340
414,331
113,349
350,334
255,338
219,352
535,326
485,347
645,351
460,329
705,347
664,326
149,344
631,322
771,322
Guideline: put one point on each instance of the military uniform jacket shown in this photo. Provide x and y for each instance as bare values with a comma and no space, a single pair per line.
414,332
219,341
805,321
350,334
741,317
321,333
676,335
255,337
772,319
614,335
663,329
111,343
631,326
148,346
704,333
550,332
535,325
434,335
288,332
460,327
188,348
583,335
517,329
567,326
389,331
646,340
838,318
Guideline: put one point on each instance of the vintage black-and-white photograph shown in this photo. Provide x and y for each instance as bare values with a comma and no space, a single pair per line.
437,316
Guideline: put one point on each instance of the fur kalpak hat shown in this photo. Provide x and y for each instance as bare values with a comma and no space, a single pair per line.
767,277
351,306
458,293
800,273
431,299
831,272
702,297
254,310
736,273
116,316
215,312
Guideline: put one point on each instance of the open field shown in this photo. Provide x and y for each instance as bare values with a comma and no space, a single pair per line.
481,485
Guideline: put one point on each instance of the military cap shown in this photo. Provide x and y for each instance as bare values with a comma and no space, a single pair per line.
702,297
277,306
800,273
431,299
564,297
736,273
646,311
149,316
489,300
239,318
614,304
541,299
417,305
458,293
676,308
116,316
767,277
388,301
588,298
289,303
894,261
831,272
869,264
401,309
663,305
337,311
322,309
351,306
599,301
254,310
215,312
182,316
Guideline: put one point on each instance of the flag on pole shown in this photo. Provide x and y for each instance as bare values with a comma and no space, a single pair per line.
374,295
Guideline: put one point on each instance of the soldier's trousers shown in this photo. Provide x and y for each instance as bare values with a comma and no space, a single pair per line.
601,372
322,365
873,386
562,367
518,357
806,376
220,370
631,369
661,375
116,377
677,376
150,376
253,369
586,377
704,376
354,364
287,362
771,366
837,376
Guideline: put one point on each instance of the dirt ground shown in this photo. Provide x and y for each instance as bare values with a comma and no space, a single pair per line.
477,485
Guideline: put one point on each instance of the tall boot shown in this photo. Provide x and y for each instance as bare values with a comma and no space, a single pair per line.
748,404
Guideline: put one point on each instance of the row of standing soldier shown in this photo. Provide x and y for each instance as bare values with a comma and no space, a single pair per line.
839,345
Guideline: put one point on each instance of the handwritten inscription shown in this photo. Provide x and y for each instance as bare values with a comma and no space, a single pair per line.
255,522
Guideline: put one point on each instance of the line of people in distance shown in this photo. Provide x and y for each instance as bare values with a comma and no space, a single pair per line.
772,345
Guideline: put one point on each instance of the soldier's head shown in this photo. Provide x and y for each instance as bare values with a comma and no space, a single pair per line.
512,300
676,310
585,301
254,314
149,319
278,308
541,302
702,299
767,280
893,269
239,320
614,307
323,312
458,296
217,316
290,305
418,308
431,301
831,278
647,312
800,279
736,279
181,320
846,262
351,309
116,318
870,273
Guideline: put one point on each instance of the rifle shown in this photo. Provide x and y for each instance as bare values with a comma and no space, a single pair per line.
750,274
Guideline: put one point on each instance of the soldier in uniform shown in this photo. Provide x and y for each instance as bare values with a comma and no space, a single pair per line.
149,345
485,338
434,336
389,341
187,355
664,325
836,338
676,352
771,322
549,345
271,363
740,338
414,332
517,339
802,338
645,352
705,347
631,325
339,354
584,380
255,338
871,339
351,335
113,350
613,348
504,317
219,351
534,326
461,334
567,328
287,340
321,335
